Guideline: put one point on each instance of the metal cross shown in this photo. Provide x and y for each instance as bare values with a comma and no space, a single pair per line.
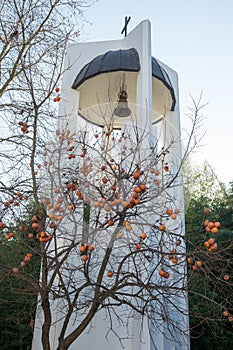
124,30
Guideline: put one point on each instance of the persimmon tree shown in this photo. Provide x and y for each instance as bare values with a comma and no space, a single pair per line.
110,235
104,216
206,191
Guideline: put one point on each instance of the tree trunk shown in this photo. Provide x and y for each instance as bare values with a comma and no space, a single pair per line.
46,325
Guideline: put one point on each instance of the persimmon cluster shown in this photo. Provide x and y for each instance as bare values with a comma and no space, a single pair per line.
15,201
227,316
210,244
58,97
164,274
195,264
85,250
23,263
211,226
172,213
24,127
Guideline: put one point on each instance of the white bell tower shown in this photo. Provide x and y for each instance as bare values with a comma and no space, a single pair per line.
95,74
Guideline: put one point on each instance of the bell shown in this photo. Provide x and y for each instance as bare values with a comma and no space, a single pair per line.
122,109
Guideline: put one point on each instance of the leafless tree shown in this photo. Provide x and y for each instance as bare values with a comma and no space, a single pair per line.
33,38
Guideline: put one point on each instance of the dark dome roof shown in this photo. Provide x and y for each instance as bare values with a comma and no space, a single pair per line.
160,73
111,61
121,60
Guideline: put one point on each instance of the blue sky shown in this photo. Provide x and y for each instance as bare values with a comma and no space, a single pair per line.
194,37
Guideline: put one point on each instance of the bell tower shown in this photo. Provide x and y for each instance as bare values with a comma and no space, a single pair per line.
119,85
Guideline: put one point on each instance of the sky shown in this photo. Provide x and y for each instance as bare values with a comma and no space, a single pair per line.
195,38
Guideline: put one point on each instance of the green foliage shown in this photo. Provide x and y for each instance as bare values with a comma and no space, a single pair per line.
17,298
17,310
203,185
18,291
209,294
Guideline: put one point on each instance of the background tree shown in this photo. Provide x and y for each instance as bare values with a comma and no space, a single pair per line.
208,198
34,36
17,298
